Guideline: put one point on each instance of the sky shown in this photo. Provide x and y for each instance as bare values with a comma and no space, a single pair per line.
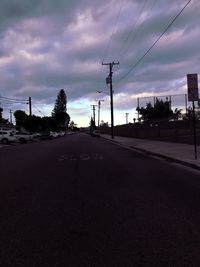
48,45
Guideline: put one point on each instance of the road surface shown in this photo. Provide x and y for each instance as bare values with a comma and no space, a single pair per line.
83,201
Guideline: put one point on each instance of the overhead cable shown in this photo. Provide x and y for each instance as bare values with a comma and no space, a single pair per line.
151,47
133,30
12,99
113,30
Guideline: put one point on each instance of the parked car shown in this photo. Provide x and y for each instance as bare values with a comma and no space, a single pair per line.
61,133
23,137
36,135
45,136
96,133
54,134
7,136
69,132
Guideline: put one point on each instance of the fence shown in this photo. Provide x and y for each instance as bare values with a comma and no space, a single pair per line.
176,101
175,131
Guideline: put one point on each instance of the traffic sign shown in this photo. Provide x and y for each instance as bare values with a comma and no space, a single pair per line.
192,82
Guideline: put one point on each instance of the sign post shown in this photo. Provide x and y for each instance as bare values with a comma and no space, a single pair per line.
193,95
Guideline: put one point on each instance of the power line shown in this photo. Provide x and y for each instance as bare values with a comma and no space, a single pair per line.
133,30
151,47
113,30
12,103
138,29
45,81
40,111
12,99
154,3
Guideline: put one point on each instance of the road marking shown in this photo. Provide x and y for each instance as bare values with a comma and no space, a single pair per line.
83,157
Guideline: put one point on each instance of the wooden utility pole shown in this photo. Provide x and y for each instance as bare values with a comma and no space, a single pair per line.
126,117
10,116
193,95
109,81
93,108
30,106
99,107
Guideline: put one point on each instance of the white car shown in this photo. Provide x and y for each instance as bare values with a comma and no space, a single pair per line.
7,136
61,133
23,137
54,134
36,135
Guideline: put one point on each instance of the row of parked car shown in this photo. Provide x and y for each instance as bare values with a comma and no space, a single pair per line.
9,136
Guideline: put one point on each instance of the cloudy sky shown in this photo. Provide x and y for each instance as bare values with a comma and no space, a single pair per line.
46,45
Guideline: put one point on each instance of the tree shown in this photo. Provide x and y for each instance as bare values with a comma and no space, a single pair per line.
72,125
3,121
198,110
33,123
104,124
161,110
177,114
20,117
47,124
189,113
59,112
1,117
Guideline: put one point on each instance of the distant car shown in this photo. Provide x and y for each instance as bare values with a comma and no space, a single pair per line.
69,133
61,133
23,137
7,137
45,136
54,134
96,133
36,135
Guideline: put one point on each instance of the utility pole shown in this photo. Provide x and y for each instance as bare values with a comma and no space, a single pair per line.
126,117
138,106
109,81
93,108
10,116
99,107
30,106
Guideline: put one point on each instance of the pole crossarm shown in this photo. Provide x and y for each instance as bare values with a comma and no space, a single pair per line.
113,63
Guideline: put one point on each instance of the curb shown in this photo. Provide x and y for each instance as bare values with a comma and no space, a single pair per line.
185,163
179,161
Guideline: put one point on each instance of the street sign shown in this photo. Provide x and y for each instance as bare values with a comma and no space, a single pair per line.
108,80
192,82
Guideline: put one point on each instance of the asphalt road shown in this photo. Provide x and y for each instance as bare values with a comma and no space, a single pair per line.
81,201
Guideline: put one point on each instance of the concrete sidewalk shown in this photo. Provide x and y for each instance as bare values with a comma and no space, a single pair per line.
180,153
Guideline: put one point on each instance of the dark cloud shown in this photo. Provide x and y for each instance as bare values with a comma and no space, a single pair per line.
46,45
